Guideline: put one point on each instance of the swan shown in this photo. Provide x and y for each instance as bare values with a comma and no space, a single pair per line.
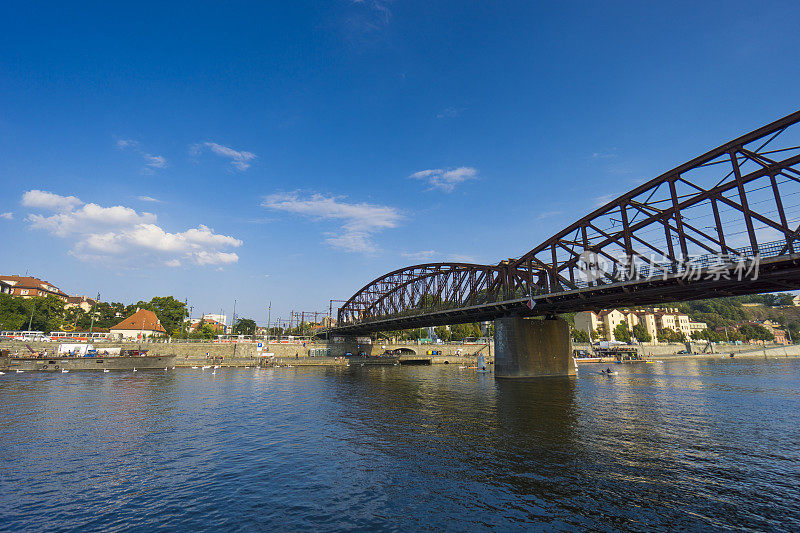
134,369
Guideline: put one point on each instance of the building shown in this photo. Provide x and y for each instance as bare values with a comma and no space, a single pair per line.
5,288
653,321
84,302
194,323
219,319
143,323
778,332
29,287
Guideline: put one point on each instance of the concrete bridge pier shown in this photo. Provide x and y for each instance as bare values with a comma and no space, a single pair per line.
525,348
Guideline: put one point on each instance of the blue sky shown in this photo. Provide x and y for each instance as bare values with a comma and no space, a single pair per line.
293,151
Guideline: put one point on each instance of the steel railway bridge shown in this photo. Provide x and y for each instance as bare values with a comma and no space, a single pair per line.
725,223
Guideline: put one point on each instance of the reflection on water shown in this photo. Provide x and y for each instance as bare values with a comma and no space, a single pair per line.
705,444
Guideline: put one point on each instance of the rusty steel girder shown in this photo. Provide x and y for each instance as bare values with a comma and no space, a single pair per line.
738,201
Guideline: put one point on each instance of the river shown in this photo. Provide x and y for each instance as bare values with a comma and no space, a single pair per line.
701,445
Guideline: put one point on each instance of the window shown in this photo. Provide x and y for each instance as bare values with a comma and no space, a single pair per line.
23,291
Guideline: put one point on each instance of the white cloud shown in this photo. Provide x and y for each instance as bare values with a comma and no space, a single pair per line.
359,221
49,200
239,158
89,216
429,256
121,234
604,199
148,199
549,214
7,216
445,179
216,258
155,161
450,112
151,161
423,255
126,143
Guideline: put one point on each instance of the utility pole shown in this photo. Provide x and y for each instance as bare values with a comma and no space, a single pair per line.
30,322
183,315
233,320
269,316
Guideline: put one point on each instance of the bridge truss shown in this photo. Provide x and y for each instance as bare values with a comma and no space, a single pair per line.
726,222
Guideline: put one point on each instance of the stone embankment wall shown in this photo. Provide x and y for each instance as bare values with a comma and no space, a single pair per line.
246,354
655,350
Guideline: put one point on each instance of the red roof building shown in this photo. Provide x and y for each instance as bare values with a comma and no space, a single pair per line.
143,323
28,287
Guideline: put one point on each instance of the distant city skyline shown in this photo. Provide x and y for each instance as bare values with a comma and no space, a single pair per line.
292,152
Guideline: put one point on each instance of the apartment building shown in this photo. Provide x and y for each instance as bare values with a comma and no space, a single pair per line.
653,321
28,287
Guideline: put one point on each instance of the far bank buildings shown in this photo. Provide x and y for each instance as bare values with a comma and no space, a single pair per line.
653,320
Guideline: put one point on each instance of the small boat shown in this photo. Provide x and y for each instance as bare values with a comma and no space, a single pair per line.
173,368
292,366
64,371
612,373
20,371
206,366
2,373
481,365
214,373
106,370
166,368
216,366
134,369
195,367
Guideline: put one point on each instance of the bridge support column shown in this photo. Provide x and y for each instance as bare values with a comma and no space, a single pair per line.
526,348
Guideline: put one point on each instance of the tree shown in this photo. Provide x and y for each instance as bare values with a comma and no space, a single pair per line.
670,335
755,332
640,332
245,326
203,331
578,335
169,311
443,333
622,333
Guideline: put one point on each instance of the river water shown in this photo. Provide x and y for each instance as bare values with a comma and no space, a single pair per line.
699,445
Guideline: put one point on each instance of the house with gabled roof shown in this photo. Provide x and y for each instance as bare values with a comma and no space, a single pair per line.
143,323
